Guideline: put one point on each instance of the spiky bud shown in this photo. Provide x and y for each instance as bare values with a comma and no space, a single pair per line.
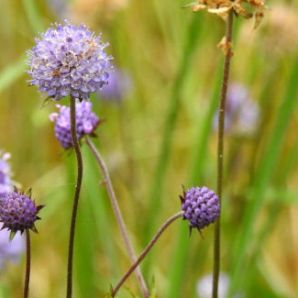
201,206
18,212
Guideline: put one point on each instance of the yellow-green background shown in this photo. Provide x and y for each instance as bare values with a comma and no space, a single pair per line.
158,139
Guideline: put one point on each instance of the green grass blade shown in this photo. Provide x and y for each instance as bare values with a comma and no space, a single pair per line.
181,247
262,178
85,250
11,73
165,148
33,15
98,203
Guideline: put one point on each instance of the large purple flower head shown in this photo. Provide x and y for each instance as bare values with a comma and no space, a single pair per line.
118,86
18,212
86,122
10,249
69,60
242,113
5,174
201,207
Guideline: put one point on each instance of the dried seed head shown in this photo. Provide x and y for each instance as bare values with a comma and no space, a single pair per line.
244,8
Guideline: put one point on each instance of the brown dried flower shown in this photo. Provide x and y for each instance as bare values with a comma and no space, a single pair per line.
278,34
244,8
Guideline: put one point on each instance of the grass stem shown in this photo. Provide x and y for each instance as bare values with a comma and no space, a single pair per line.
220,148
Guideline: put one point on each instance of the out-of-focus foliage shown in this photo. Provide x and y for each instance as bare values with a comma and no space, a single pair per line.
158,138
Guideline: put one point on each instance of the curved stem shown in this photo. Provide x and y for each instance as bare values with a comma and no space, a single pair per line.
220,149
76,146
118,214
145,251
28,264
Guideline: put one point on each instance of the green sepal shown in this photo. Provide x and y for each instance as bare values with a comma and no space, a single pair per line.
11,235
28,192
33,229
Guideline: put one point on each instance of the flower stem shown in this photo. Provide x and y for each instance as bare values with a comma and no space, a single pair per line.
28,264
145,251
220,149
76,146
118,214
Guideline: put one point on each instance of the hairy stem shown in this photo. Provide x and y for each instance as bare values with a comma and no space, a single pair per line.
145,251
118,214
28,264
220,148
76,146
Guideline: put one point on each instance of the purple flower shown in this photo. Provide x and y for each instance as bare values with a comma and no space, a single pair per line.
5,174
204,286
69,60
86,122
10,250
242,113
18,212
118,86
201,207
59,7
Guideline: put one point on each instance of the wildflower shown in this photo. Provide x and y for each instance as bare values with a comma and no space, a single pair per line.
242,113
201,207
117,88
59,7
69,60
86,123
244,8
10,250
18,212
5,174
204,286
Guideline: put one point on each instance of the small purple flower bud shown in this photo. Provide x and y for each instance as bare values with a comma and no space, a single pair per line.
86,122
69,60
201,207
18,212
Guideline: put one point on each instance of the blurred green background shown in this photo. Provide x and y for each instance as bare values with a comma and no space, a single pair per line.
157,139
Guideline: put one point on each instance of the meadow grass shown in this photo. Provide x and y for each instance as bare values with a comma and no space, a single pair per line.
159,138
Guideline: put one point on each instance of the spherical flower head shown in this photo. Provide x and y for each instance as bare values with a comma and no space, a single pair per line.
69,60
18,212
86,123
201,207
118,86
10,249
5,174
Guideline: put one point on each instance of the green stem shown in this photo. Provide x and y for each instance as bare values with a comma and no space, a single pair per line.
160,171
28,264
145,251
118,214
220,149
76,146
